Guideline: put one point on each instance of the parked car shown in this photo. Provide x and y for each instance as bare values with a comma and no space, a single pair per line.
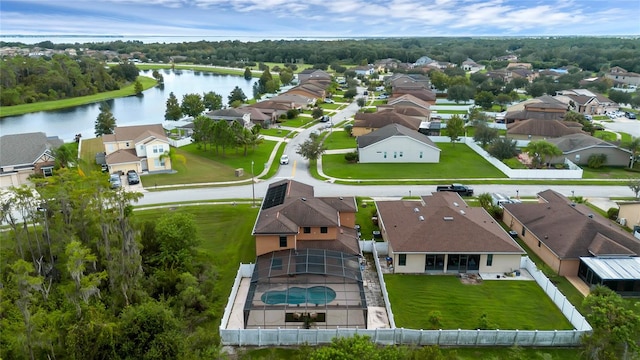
114,179
630,115
132,177
284,160
588,117
329,101
383,96
325,118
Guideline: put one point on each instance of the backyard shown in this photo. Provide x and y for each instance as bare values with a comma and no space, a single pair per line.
507,304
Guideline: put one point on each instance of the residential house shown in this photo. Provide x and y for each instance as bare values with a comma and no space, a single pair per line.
586,101
510,58
535,129
313,74
422,61
621,76
502,75
629,215
441,234
409,100
423,94
517,65
472,66
311,90
231,115
387,64
395,143
142,148
576,242
23,155
364,70
522,73
307,271
398,79
543,108
365,123
579,147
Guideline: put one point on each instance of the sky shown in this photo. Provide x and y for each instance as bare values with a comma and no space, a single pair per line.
285,19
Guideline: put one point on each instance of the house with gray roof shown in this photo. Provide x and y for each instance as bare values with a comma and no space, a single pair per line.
586,101
23,155
441,234
576,242
365,123
542,108
535,129
142,148
579,147
395,143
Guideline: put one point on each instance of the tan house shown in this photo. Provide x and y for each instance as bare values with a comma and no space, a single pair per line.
574,241
142,148
586,101
629,214
23,155
442,234
543,108
365,123
623,77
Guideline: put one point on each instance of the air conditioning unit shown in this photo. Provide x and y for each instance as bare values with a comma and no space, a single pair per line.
622,221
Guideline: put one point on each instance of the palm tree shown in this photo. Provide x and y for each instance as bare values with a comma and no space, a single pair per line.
634,146
542,150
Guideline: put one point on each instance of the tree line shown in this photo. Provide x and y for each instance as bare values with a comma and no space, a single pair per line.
25,80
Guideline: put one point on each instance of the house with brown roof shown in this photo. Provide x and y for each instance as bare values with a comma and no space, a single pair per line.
365,123
535,129
307,271
441,234
576,242
395,143
423,94
23,155
629,215
142,148
579,147
311,90
313,74
586,101
543,108
623,77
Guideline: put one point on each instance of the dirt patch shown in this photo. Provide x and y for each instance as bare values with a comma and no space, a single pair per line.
470,279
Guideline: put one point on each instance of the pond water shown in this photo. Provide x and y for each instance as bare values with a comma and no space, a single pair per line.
133,110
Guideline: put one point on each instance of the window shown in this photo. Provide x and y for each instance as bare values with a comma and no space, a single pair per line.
47,171
395,154
141,147
523,231
420,154
400,153
489,259
307,230
323,230
402,259
127,144
158,162
276,264
158,149
283,241
385,155
539,243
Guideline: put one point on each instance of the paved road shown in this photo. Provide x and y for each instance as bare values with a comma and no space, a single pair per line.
623,124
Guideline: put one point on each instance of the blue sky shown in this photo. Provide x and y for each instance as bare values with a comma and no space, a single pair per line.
271,19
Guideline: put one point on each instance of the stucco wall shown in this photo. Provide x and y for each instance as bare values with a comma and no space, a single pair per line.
399,149
268,243
348,219
630,212
501,263
615,157
315,234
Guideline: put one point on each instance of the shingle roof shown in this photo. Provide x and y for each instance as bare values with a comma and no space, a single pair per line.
579,141
380,119
136,132
423,94
572,230
122,156
22,149
448,225
408,99
546,128
393,130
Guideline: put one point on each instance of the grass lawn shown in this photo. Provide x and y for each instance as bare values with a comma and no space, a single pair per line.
128,90
459,112
519,305
605,135
456,161
88,153
300,121
608,172
366,210
275,132
340,140
207,166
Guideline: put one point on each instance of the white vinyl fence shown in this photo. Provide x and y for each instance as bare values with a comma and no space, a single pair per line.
401,336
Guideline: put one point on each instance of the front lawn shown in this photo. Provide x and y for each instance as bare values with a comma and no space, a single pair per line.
340,140
508,304
207,166
300,121
456,162
88,152
608,172
274,131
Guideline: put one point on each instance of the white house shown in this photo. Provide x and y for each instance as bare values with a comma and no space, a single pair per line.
395,143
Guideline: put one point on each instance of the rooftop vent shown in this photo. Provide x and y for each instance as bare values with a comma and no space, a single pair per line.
303,199
590,216
455,204
416,210
421,218
448,218
462,212
573,204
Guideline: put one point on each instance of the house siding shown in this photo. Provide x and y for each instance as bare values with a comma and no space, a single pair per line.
630,212
501,263
348,219
394,147
332,234
269,243
615,156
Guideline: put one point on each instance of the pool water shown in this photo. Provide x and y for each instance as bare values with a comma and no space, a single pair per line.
296,295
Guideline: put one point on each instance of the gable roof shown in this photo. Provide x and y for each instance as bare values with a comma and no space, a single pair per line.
382,118
588,235
442,222
409,100
579,141
393,130
546,128
25,149
122,156
135,133
420,93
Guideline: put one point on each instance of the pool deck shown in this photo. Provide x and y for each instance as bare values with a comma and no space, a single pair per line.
236,319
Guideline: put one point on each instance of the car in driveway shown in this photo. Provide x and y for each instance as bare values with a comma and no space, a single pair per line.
284,160
630,115
329,101
115,181
132,177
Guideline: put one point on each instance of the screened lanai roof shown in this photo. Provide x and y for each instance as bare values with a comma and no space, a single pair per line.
307,261
614,268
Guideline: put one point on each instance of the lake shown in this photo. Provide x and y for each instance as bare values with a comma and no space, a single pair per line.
133,110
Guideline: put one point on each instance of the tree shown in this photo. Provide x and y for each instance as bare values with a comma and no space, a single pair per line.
237,95
312,148
350,94
137,87
619,97
286,76
65,156
484,99
317,112
159,78
484,134
177,236
503,148
455,128
536,89
503,100
485,200
106,122
361,102
439,80
634,147
247,73
616,326
541,150
634,185
460,93
192,105
173,111
212,101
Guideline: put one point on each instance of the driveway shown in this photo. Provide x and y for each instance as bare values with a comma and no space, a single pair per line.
622,124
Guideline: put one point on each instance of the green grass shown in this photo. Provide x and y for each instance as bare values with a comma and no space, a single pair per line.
608,172
340,140
276,132
366,210
207,166
605,135
459,112
456,161
519,305
128,90
298,122
88,155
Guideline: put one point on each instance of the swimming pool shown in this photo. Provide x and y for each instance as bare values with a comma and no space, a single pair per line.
297,295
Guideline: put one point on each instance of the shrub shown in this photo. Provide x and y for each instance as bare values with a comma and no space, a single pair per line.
351,157
292,113
612,213
597,161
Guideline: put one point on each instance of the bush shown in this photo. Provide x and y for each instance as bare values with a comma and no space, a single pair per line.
612,213
351,157
597,161
292,113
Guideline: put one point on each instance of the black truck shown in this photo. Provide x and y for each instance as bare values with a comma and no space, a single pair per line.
463,190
